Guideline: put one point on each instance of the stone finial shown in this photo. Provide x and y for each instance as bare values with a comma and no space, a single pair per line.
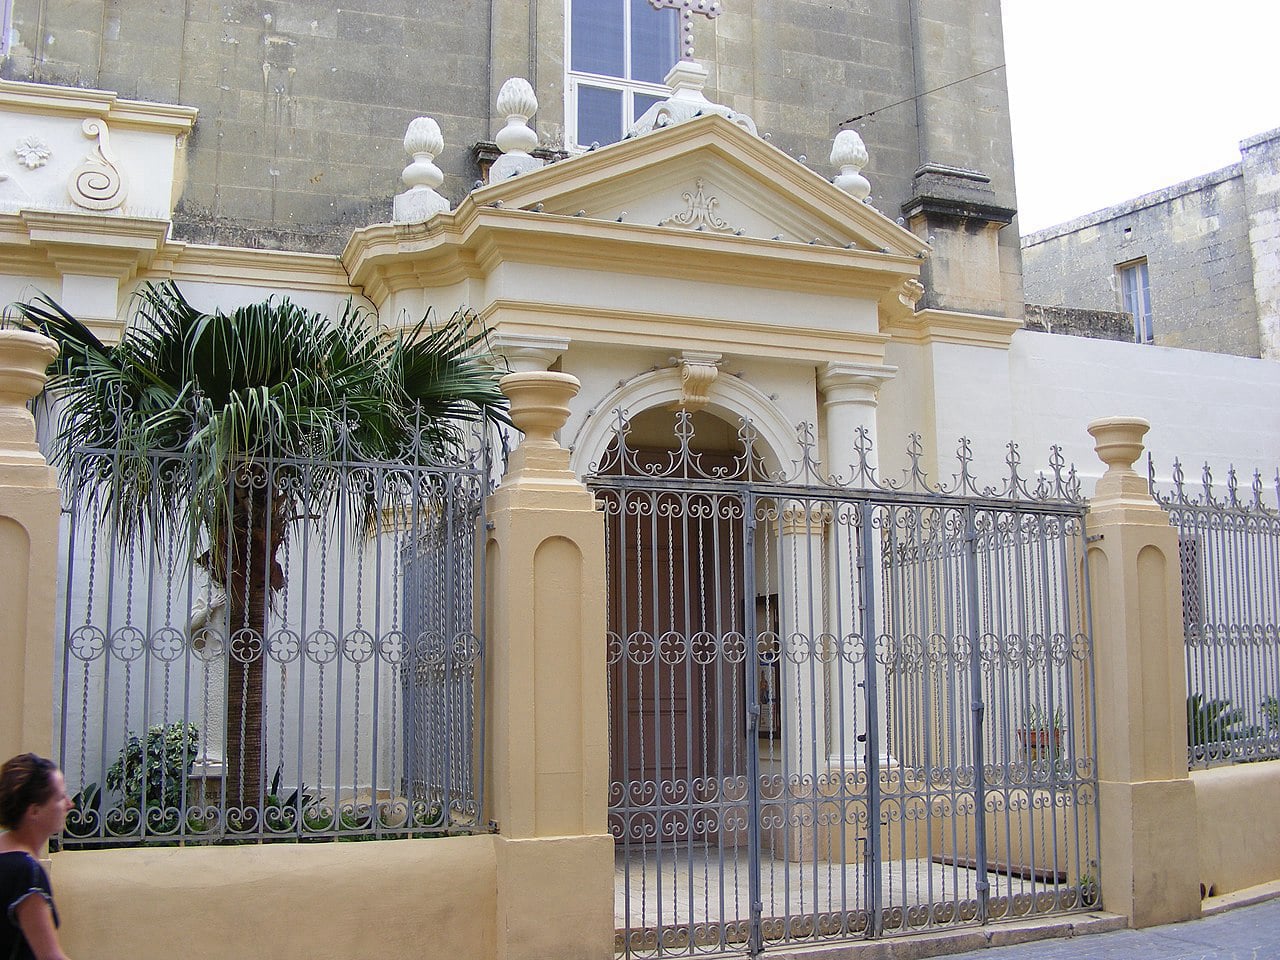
1118,442
686,80
517,102
422,141
849,153
539,404
24,357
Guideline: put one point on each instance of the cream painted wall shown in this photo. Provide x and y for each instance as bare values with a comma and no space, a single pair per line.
1201,406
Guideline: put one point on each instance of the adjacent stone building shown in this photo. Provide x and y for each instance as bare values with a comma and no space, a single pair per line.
302,105
1196,265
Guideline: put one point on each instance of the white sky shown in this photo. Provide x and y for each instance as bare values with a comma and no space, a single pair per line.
1114,98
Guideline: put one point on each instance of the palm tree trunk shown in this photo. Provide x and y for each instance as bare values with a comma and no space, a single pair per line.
253,574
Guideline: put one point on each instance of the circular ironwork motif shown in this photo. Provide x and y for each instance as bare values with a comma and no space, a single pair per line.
168,644
703,646
393,647
284,645
358,646
246,645
672,648
128,644
322,646
87,642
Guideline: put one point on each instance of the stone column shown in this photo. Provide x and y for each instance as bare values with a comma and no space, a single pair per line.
548,730
29,505
1149,852
850,392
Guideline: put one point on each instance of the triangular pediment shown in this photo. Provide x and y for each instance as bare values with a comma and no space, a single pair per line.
710,176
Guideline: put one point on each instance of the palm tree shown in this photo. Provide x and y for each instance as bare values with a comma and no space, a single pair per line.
235,393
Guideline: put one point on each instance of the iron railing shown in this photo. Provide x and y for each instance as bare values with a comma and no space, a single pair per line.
1229,559
842,707
304,659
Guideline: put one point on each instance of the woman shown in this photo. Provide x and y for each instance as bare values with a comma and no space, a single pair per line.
33,806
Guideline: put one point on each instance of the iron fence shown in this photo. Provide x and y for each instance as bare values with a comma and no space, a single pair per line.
841,709
1229,559
303,659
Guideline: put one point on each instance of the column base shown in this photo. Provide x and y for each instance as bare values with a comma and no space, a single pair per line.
555,898
1150,851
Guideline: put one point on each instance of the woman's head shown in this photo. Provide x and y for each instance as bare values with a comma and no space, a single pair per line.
28,781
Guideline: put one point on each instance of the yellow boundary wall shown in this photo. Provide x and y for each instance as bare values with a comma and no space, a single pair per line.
1238,826
421,898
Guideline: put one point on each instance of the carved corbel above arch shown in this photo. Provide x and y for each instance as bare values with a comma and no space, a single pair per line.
698,371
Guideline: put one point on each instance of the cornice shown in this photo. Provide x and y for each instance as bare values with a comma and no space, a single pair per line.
950,326
81,103
472,240
753,156
777,342
280,269
82,243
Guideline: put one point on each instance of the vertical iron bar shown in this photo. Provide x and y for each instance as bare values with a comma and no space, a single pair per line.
867,570
751,665
978,707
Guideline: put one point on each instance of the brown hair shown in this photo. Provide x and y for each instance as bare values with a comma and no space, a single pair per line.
25,781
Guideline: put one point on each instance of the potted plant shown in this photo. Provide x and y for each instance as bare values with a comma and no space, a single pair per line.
1040,737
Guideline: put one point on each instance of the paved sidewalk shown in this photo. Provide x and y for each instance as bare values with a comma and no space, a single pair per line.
1245,933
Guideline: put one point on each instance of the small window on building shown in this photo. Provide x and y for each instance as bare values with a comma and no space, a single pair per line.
1135,298
618,53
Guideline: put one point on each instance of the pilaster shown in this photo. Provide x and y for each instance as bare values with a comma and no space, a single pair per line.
29,506
1149,858
548,754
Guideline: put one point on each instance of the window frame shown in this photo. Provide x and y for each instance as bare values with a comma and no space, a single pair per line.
1143,323
628,88
6,27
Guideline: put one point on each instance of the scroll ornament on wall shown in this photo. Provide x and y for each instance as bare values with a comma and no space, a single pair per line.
97,184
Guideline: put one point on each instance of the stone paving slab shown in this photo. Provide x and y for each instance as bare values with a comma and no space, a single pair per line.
1246,933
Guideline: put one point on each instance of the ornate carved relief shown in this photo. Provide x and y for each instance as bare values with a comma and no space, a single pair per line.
700,213
97,183
910,292
32,152
697,372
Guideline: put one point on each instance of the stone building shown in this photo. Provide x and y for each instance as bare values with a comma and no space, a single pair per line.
302,105
1196,265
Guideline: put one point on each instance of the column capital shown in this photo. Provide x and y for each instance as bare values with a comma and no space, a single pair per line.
529,353
851,382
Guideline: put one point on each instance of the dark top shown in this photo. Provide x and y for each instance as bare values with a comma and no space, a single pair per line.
21,876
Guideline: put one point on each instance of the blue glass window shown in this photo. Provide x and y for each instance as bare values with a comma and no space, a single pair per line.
619,54
599,115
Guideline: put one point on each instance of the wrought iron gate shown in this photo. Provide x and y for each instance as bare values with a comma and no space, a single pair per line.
842,708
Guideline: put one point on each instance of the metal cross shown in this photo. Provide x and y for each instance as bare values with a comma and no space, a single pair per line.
707,8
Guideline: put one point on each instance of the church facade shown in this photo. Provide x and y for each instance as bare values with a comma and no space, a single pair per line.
783,326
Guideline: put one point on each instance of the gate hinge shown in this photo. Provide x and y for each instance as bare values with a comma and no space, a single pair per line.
978,708
982,886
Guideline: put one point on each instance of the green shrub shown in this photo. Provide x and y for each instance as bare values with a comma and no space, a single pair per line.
156,770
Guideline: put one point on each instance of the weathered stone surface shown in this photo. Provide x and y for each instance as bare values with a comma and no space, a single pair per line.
1096,324
303,105
1212,246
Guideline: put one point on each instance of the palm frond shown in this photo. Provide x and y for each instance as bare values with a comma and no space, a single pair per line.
268,381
